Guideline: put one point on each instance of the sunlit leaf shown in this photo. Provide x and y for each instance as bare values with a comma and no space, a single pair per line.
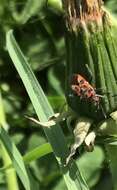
73,178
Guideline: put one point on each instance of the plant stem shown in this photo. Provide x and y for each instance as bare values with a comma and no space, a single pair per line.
11,178
10,174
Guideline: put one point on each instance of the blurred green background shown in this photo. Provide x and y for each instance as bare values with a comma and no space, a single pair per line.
39,29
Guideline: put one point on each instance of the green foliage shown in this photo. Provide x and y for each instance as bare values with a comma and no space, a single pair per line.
39,29
112,6
16,158
44,111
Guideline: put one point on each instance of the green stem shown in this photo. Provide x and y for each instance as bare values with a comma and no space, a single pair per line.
11,178
10,174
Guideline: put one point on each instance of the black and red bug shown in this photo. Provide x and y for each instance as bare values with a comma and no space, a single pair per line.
82,88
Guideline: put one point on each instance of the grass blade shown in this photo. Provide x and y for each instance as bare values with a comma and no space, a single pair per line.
10,174
15,157
39,101
37,153
71,173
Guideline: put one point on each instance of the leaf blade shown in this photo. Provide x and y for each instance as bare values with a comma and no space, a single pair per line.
15,157
37,96
73,178
37,153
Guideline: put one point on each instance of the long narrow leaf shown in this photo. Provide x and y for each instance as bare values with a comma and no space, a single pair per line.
30,9
37,153
40,103
15,157
72,176
32,155
10,174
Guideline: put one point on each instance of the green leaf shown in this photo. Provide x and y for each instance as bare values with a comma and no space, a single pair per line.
55,83
112,156
90,163
31,8
112,6
33,181
15,157
32,155
60,185
73,178
56,5
38,152
39,101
